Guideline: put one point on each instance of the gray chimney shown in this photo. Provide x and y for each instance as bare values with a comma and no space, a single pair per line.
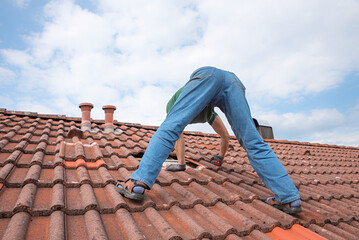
264,129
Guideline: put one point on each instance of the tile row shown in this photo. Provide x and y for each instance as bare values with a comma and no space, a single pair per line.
122,149
6,122
322,170
42,158
327,178
31,138
13,176
342,199
44,170
64,150
220,221
41,201
341,231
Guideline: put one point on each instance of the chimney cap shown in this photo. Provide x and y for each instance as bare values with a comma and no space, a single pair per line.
86,105
262,122
109,107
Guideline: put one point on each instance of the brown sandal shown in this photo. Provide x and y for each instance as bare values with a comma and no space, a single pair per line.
286,207
132,189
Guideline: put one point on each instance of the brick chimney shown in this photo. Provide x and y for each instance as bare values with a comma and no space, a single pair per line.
109,109
86,116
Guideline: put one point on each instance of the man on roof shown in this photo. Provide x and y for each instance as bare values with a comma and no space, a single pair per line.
210,86
206,115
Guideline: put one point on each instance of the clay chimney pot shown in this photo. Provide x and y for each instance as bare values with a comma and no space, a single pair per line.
109,110
86,116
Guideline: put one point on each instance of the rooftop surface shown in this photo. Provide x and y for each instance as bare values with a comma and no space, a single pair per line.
56,186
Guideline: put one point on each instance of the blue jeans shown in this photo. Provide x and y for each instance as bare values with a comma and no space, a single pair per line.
215,87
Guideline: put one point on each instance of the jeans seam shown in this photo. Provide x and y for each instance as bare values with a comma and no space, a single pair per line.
263,175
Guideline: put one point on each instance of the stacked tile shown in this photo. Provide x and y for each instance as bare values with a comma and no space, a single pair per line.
59,187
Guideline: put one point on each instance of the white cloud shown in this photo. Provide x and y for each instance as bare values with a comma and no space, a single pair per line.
33,106
319,125
83,55
5,101
6,76
348,138
70,31
125,52
317,119
281,48
22,3
16,57
148,104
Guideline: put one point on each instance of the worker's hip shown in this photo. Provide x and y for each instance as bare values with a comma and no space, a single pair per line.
231,80
203,72
222,76
212,74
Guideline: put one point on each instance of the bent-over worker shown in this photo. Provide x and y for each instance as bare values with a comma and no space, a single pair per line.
210,86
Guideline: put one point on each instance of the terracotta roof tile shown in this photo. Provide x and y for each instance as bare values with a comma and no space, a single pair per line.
57,197
341,231
76,227
295,232
17,226
56,187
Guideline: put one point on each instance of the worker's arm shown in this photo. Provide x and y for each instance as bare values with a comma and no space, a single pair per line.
180,150
221,130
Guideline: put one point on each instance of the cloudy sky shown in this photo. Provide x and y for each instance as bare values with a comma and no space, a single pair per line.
299,60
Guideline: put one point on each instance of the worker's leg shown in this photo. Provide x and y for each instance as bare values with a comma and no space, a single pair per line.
260,155
204,85
219,127
180,150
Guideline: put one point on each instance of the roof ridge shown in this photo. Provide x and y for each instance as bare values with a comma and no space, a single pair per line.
310,144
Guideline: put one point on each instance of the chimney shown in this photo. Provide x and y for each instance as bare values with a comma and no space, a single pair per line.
109,109
86,116
264,129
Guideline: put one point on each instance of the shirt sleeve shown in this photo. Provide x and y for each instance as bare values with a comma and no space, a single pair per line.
213,117
173,100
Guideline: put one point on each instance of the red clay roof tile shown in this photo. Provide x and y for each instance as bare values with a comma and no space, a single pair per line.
294,233
62,187
18,226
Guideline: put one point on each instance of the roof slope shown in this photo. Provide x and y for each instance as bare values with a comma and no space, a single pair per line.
56,187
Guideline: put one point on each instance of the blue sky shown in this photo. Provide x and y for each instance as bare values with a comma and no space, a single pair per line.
298,60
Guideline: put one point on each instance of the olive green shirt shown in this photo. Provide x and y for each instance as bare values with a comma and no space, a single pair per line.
207,115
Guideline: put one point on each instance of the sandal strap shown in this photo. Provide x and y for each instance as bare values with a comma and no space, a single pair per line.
139,183
135,183
272,201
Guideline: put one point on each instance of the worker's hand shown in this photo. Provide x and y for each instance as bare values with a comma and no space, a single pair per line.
216,160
